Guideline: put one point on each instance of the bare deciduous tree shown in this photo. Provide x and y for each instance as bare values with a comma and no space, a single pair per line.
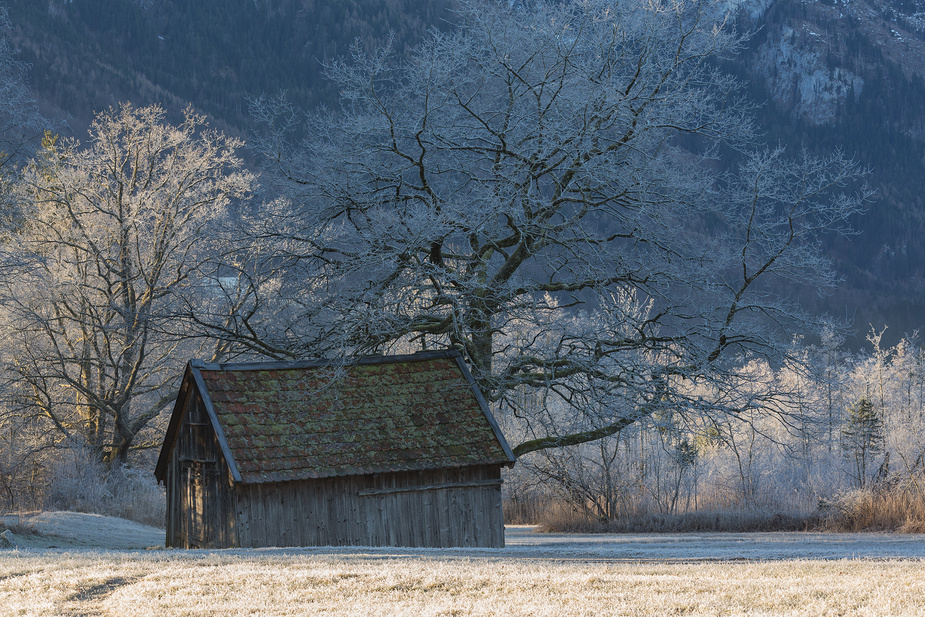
543,188
113,233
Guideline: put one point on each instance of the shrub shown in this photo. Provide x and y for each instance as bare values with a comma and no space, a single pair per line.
80,483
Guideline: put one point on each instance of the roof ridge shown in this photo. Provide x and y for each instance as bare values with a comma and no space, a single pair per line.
325,362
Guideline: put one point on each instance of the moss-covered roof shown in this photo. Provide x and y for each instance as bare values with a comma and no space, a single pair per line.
318,419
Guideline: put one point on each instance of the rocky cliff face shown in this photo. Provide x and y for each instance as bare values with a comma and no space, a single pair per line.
799,77
813,56
848,74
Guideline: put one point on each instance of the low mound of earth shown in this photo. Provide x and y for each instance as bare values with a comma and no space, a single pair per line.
76,530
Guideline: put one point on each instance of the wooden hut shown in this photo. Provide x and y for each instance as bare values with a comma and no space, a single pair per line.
380,451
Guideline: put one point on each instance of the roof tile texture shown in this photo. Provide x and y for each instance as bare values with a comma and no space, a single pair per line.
300,423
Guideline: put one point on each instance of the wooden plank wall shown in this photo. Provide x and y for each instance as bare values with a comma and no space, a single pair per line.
200,500
436,508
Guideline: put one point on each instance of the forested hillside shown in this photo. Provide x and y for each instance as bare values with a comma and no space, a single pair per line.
824,75
850,76
87,55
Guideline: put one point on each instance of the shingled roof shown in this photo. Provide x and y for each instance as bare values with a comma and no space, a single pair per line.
277,422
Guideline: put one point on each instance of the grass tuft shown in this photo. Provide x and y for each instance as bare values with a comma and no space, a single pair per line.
19,527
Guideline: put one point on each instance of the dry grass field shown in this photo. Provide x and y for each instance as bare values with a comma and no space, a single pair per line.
127,584
521,580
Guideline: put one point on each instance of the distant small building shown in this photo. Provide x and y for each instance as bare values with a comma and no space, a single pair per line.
378,451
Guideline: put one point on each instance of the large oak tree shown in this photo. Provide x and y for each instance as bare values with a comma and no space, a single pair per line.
569,192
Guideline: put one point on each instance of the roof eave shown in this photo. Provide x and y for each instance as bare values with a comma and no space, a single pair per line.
196,366
511,459
326,362
170,437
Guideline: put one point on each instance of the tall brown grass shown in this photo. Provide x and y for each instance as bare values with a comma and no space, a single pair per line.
899,507
562,518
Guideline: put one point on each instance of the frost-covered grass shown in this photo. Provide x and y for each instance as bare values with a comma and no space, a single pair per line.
78,529
536,574
298,583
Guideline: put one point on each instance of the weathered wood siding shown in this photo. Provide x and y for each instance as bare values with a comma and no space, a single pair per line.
438,508
200,499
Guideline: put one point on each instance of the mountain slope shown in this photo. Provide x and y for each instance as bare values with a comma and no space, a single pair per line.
90,54
848,74
835,74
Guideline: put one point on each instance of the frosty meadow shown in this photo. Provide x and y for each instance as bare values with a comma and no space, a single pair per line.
537,574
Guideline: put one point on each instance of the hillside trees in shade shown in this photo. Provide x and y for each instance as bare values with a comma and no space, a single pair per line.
21,125
109,244
518,189
89,54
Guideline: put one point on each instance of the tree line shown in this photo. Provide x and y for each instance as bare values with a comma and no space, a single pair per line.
855,459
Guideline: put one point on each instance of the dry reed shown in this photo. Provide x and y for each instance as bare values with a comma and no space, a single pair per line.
900,509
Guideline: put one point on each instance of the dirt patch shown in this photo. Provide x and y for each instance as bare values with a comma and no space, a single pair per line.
88,599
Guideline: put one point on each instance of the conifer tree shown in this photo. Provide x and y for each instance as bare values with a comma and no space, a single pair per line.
862,438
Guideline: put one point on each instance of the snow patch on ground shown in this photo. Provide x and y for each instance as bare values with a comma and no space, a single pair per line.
79,529
524,543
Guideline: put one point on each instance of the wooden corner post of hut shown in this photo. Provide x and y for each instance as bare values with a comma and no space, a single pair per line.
377,451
